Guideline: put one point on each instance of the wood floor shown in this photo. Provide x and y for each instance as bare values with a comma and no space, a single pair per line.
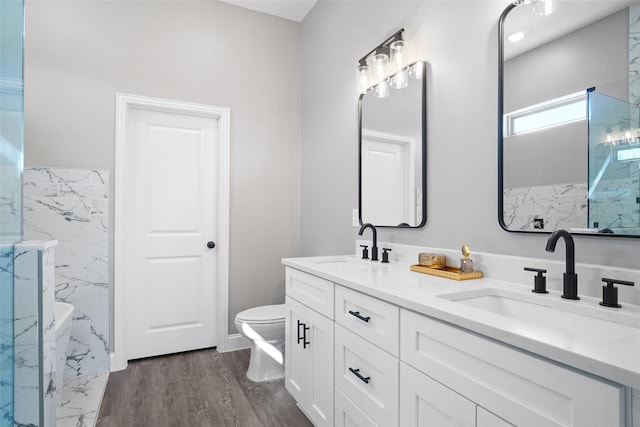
196,389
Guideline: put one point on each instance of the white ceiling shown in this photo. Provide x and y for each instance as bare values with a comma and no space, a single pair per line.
571,16
294,10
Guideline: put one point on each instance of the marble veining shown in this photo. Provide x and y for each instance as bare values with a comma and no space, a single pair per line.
614,204
72,206
555,206
6,334
34,367
634,60
80,400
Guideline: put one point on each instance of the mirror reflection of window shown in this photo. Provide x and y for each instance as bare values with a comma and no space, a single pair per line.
558,170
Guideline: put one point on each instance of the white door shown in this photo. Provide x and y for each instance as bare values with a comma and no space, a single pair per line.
170,208
388,181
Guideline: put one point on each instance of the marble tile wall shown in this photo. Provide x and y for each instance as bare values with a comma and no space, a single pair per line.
614,204
634,60
557,206
34,334
72,206
6,335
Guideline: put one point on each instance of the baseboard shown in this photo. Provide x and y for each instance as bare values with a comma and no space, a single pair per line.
116,364
234,342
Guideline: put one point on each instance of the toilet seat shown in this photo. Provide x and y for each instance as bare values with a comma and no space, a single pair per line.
264,314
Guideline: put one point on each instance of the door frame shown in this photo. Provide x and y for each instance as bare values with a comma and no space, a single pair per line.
410,163
124,104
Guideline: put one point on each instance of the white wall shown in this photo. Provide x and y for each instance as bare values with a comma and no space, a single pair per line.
79,54
458,39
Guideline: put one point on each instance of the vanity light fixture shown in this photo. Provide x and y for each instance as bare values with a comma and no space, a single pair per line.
626,136
385,67
540,7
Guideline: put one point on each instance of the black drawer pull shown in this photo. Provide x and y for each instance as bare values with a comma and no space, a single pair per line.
356,372
300,338
359,316
305,343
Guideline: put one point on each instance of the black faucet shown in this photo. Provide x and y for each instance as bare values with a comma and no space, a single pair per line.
374,247
570,278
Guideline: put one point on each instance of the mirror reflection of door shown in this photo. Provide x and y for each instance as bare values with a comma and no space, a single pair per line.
388,185
392,155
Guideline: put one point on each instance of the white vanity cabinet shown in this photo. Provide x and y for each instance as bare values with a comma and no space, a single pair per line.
518,387
375,363
309,345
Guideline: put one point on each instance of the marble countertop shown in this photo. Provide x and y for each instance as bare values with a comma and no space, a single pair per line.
614,356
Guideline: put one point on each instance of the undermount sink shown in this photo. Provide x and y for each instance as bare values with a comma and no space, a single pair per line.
573,318
349,262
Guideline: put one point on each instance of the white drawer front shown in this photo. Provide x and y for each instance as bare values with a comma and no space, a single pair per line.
369,317
310,290
521,388
349,415
376,390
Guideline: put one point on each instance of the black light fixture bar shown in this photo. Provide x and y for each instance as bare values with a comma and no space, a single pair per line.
383,47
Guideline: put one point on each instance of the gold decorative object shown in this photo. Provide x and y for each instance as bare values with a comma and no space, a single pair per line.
436,261
466,265
447,272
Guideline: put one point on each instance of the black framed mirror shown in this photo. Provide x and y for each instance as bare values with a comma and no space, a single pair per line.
569,118
392,155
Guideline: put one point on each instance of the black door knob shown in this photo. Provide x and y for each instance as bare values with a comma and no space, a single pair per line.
211,245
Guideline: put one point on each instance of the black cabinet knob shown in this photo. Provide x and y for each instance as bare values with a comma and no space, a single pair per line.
211,245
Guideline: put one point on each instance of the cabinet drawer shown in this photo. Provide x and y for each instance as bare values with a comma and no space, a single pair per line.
517,386
368,376
310,290
370,318
349,415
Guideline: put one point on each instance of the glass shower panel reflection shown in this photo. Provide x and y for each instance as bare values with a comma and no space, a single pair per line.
11,164
614,165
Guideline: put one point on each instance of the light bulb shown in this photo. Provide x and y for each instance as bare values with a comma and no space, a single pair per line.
382,89
416,70
363,78
380,61
545,7
400,79
397,49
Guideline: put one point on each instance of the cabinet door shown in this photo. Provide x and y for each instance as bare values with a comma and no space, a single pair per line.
425,402
348,414
295,358
521,388
319,353
485,418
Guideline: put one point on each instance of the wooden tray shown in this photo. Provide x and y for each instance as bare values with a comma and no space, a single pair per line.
447,272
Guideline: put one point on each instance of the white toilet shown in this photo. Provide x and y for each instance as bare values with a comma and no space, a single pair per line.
264,327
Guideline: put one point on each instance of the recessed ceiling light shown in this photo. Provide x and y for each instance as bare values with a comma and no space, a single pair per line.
515,37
